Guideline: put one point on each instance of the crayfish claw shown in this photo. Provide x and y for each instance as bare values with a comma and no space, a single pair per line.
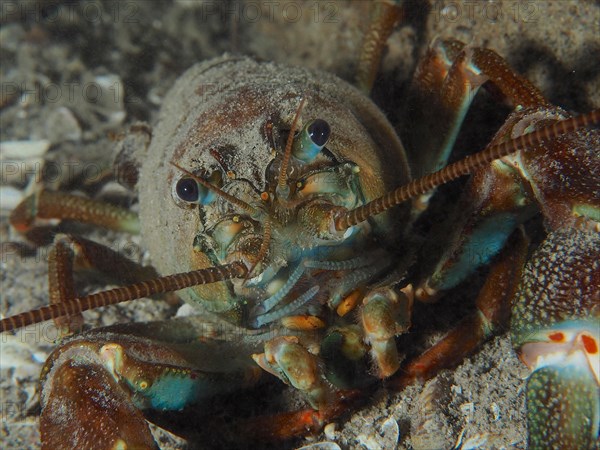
84,407
563,404
555,329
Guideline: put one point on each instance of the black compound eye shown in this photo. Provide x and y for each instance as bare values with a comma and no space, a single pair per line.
187,190
319,132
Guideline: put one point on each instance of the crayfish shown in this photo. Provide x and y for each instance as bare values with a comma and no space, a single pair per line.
280,201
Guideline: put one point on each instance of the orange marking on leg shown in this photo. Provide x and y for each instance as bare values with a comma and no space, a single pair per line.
557,337
21,228
307,417
590,344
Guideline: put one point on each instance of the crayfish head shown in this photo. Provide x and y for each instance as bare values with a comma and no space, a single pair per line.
250,163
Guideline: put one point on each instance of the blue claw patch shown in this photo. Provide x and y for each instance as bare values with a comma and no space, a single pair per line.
172,391
485,242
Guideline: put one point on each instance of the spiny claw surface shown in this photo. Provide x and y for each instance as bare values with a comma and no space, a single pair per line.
84,407
555,328
563,404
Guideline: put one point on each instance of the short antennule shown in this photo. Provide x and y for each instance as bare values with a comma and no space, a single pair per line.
282,180
135,291
465,166
264,248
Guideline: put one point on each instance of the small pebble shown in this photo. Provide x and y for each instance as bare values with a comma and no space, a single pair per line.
22,150
321,446
61,125
330,431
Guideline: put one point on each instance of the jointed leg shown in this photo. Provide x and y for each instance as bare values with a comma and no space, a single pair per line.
443,88
493,313
71,253
495,201
58,205
384,16
341,359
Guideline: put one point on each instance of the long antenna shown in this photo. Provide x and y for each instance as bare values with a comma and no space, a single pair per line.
347,219
158,285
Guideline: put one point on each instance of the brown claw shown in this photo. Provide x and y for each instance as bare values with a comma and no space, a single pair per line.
84,407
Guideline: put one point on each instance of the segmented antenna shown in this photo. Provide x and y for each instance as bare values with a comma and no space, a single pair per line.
158,285
264,247
281,182
230,198
465,166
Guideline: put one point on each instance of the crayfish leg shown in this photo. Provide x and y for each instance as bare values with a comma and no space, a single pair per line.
385,314
287,359
47,205
495,203
492,207
288,425
446,80
384,16
70,253
492,314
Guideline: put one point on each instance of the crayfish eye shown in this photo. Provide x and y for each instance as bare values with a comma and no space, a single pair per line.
195,190
319,132
311,140
187,190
